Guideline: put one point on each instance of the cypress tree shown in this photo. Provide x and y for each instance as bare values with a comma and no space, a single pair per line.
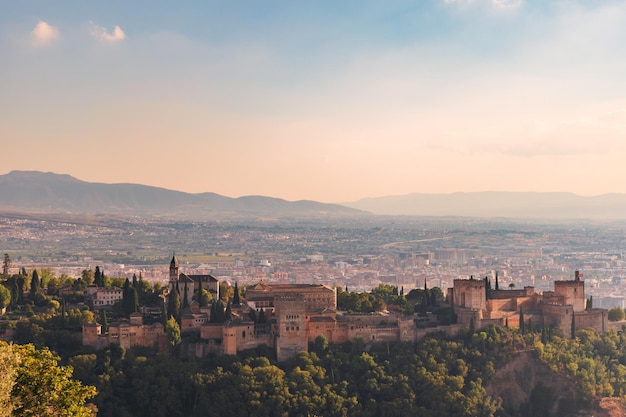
229,313
97,277
20,281
521,321
34,285
201,300
497,286
186,296
486,288
15,296
220,313
127,302
573,330
215,312
164,314
213,317
6,265
173,307
236,300
135,284
134,299
252,315
105,321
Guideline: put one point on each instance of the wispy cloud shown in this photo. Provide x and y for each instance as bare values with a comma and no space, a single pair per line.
44,33
494,3
101,33
507,3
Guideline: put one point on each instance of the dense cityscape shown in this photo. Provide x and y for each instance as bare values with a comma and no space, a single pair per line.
294,292
358,254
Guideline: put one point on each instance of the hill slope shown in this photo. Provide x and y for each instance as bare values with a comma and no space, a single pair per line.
32,191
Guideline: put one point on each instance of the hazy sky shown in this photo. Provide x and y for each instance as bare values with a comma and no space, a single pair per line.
324,100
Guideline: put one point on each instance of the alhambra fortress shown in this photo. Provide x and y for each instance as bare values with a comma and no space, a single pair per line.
296,314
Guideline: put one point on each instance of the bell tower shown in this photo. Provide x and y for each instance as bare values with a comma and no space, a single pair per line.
173,271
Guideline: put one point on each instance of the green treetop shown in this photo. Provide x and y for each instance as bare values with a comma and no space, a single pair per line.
173,303
43,388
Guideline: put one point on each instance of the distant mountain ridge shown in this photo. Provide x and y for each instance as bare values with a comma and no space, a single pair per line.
39,192
34,191
546,205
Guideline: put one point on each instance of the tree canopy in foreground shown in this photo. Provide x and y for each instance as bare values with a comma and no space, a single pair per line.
32,383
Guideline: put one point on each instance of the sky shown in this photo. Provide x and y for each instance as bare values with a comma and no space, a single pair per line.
331,101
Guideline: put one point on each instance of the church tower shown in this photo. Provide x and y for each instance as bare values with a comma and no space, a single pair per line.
173,271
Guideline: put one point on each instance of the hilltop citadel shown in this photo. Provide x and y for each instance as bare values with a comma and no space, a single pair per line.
296,314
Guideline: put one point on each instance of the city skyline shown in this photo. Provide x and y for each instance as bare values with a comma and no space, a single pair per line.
325,101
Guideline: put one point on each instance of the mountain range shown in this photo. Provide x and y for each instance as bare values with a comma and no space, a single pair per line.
33,191
39,192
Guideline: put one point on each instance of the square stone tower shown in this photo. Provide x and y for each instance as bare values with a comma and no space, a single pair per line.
291,325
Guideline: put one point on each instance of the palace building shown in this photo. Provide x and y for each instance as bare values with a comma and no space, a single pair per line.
126,334
287,317
565,307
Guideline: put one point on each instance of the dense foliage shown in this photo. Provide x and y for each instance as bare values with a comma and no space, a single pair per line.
389,297
33,384
436,377
596,361
616,314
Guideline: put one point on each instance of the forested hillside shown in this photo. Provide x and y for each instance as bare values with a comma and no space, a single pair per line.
494,371
436,377
490,372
